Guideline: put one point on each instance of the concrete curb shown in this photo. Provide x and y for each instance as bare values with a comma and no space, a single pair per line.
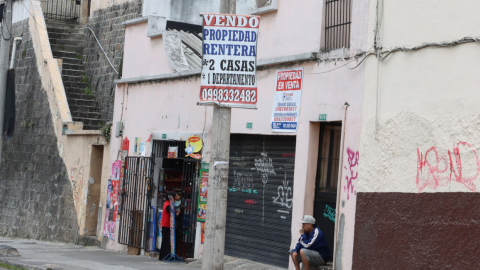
26,266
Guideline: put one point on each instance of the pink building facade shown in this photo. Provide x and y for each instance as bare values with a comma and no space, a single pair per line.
312,171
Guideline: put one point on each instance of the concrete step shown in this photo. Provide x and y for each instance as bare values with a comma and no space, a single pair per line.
67,48
71,61
85,114
92,108
72,72
66,33
61,23
71,78
56,35
73,84
73,66
77,91
81,91
78,96
67,41
72,101
66,54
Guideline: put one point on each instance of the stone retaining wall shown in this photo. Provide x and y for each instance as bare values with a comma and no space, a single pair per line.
107,25
35,193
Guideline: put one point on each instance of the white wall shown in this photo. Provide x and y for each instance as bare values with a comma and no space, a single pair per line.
20,10
427,99
183,11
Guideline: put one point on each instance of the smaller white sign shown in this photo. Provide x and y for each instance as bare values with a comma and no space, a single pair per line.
286,103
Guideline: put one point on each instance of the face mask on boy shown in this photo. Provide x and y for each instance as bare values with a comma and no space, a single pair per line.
177,203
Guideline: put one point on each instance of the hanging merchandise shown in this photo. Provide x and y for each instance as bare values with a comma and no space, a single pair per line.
114,198
193,146
151,232
159,233
202,193
137,145
172,151
110,211
116,167
148,147
172,256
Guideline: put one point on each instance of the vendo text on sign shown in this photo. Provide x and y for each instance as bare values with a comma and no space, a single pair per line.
229,60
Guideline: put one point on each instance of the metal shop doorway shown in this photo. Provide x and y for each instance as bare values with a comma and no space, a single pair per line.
260,197
325,205
136,198
180,174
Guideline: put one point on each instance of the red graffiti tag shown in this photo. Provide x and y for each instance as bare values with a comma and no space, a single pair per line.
249,201
353,158
438,171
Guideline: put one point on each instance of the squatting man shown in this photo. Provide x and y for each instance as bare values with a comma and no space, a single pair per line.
312,248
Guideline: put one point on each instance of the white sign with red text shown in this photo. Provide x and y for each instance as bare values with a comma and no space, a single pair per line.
229,63
286,103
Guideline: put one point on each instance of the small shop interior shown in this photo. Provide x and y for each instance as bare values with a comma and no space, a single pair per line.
179,174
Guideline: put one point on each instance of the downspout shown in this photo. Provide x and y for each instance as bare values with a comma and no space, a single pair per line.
14,50
339,183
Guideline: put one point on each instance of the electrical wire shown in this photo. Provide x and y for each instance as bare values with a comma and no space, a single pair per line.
365,55
33,16
463,40
384,54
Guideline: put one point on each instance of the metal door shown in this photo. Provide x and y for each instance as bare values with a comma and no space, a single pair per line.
137,188
325,205
190,195
259,204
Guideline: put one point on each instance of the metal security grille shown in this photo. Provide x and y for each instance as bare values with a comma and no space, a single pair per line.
327,179
338,18
65,10
190,193
136,197
260,192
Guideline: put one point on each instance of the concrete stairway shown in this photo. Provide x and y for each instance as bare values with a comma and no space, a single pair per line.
67,41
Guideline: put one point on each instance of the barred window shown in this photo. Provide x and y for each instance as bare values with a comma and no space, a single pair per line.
338,18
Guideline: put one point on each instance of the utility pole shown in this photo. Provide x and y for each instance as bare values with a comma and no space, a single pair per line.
218,178
5,43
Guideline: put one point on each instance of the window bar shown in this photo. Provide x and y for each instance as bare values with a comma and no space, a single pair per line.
350,19
343,20
327,45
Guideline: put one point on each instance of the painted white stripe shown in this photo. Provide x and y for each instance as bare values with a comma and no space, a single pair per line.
305,245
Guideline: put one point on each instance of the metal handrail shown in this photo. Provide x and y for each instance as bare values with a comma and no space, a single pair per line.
102,49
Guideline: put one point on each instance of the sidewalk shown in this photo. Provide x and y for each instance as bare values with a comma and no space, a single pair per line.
49,255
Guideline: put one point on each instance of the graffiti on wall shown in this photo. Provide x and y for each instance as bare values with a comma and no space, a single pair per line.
243,183
329,212
77,178
352,173
284,198
436,169
264,165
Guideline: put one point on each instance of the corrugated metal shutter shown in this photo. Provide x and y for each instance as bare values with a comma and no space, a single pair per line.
259,208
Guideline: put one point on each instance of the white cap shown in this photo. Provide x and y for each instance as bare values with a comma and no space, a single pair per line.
308,219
